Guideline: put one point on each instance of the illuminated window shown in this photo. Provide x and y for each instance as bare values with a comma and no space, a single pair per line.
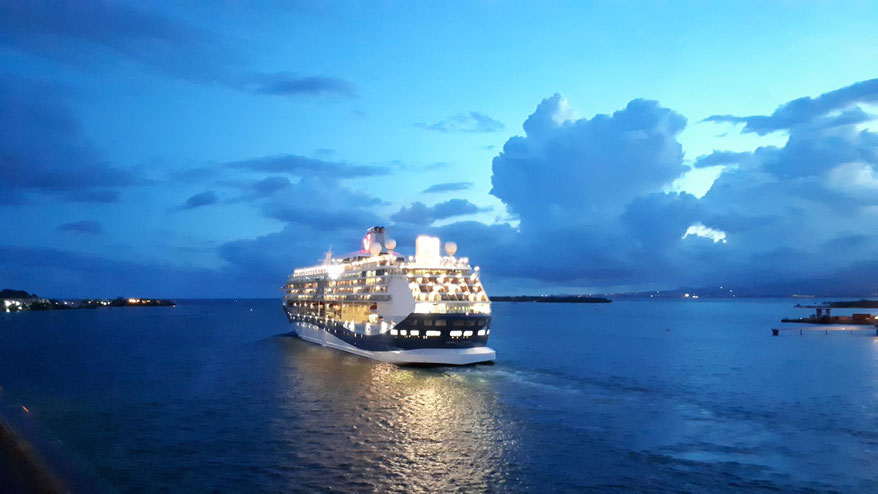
467,333
402,332
414,332
481,332
455,334
394,332
434,333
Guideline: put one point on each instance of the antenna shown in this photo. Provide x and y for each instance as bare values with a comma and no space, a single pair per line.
327,256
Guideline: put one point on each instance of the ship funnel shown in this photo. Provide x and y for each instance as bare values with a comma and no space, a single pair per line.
375,236
427,248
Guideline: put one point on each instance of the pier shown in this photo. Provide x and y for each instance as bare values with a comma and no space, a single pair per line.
825,330
822,315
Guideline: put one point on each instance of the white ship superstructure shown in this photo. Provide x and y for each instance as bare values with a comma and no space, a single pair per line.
429,308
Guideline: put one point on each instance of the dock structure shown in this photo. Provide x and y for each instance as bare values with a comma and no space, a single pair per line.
819,309
826,329
823,315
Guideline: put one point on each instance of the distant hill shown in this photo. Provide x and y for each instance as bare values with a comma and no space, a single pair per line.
10,293
858,304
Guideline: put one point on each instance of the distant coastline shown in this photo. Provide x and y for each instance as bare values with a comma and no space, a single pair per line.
20,300
553,299
856,304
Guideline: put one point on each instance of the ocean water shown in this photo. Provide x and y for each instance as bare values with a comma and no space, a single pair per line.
635,395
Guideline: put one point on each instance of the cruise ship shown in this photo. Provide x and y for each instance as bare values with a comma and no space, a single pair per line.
428,308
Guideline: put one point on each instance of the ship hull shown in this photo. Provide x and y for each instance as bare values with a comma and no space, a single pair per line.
398,349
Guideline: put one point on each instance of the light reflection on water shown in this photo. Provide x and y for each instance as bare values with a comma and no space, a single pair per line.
381,427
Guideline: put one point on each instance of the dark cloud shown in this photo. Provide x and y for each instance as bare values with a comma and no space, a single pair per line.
447,187
91,196
93,34
809,111
67,274
717,158
85,226
656,222
286,84
303,166
98,34
464,122
317,218
42,149
264,261
201,199
420,214
270,185
322,203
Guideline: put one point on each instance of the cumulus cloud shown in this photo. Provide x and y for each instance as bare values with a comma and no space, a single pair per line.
801,210
855,176
471,122
447,187
85,226
565,170
590,190
419,213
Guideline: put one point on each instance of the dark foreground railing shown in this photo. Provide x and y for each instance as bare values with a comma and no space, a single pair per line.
32,460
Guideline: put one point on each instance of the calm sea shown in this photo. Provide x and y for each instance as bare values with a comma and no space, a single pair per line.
634,395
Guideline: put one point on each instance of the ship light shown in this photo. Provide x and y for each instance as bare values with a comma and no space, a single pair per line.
334,271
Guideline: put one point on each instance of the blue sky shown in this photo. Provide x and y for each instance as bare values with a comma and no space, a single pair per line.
206,149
